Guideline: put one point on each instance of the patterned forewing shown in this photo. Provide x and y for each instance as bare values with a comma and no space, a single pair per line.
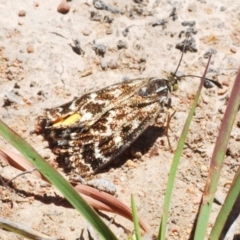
92,130
92,106
90,150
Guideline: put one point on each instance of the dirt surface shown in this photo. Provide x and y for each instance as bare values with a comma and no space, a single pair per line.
42,68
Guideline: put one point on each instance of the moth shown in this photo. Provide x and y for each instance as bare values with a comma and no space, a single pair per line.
92,130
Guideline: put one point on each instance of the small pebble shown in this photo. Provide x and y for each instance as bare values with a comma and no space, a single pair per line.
20,23
125,32
64,7
233,49
238,138
121,44
86,32
176,230
11,70
131,164
209,51
136,154
103,185
9,77
12,97
188,23
222,9
16,85
222,91
100,49
22,13
113,64
204,171
107,19
95,16
109,31
103,64
30,49
45,144
141,194
86,73
221,110
5,58
225,83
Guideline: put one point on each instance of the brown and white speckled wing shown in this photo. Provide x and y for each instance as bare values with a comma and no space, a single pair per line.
90,150
89,144
91,106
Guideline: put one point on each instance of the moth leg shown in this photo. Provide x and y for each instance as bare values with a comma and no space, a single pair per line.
169,117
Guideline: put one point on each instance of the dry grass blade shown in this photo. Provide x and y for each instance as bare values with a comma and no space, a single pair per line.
22,230
97,199
18,161
112,203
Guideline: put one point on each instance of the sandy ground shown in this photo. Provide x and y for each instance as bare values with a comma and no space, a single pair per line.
39,70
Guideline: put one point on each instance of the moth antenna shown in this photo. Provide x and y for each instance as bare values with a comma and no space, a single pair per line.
183,51
218,84
175,73
207,80
173,79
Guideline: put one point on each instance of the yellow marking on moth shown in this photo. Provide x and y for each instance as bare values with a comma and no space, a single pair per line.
70,120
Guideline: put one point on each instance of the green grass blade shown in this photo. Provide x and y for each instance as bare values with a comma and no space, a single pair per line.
217,160
135,219
176,159
231,205
57,180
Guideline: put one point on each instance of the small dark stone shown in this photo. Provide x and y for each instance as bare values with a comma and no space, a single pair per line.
100,5
107,19
209,51
100,49
22,13
161,22
187,45
191,31
138,1
121,44
77,47
222,9
94,16
173,14
188,23
125,31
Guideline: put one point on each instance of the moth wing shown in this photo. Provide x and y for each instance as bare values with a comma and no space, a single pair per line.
83,112
91,150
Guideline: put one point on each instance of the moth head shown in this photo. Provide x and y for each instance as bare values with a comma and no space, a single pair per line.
173,80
